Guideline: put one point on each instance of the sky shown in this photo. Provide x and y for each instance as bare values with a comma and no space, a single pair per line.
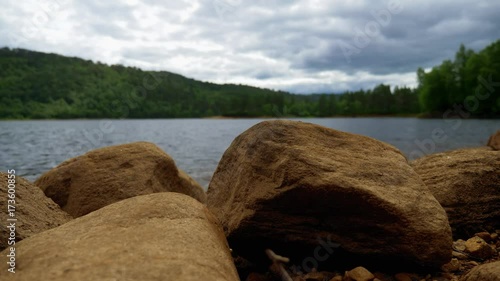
298,46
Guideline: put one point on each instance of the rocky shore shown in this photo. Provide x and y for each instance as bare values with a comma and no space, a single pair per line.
289,201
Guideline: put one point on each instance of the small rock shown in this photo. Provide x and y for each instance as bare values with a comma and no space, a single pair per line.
484,235
459,245
473,263
478,248
336,278
494,236
359,274
403,277
452,266
459,255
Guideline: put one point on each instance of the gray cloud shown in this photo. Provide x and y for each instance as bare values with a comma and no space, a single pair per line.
300,47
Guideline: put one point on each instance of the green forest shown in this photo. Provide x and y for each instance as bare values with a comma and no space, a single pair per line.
470,83
36,85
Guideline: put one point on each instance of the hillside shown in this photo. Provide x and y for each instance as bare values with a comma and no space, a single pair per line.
35,85
39,85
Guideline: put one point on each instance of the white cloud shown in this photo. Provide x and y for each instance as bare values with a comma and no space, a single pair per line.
271,43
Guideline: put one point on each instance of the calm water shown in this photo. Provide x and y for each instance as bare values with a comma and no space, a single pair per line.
33,147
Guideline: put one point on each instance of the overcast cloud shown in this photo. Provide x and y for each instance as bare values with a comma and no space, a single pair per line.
299,46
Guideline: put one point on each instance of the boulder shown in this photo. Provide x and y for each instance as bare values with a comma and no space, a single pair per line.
290,185
467,184
103,176
160,236
494,141
34,212
485,272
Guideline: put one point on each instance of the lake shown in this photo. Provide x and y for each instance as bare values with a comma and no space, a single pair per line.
34,147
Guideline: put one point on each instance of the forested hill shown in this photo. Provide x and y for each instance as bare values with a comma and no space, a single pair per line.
39,85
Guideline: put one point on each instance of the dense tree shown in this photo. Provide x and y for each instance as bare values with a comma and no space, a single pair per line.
39,85
472,81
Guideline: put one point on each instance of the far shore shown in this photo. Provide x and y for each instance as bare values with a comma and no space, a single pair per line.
220,117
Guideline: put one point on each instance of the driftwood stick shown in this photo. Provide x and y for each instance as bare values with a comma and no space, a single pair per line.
277,266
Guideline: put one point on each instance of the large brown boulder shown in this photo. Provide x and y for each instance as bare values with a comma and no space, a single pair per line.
161,236
286,184
32,212
485,272
467,184
110,174
494,141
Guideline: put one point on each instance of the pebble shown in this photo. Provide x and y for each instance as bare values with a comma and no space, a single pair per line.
484,235
473,263
478,248
359,274
459,255
452,266
494,236
459,245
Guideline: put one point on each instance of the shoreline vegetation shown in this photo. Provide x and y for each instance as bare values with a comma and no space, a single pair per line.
35,85
221,117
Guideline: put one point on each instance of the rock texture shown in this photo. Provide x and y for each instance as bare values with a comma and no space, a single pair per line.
291,184
485,272
110,174
478,248
161,236
467,184
494,141
33,210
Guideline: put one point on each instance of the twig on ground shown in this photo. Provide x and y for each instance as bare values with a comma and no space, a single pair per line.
277,266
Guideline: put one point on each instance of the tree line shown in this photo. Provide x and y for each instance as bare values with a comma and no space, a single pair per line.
36,85
470,83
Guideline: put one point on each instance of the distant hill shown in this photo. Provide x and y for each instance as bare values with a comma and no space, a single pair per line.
35,85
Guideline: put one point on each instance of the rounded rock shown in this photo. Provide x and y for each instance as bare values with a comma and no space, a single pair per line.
34,212
160,236
293,183
106,175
